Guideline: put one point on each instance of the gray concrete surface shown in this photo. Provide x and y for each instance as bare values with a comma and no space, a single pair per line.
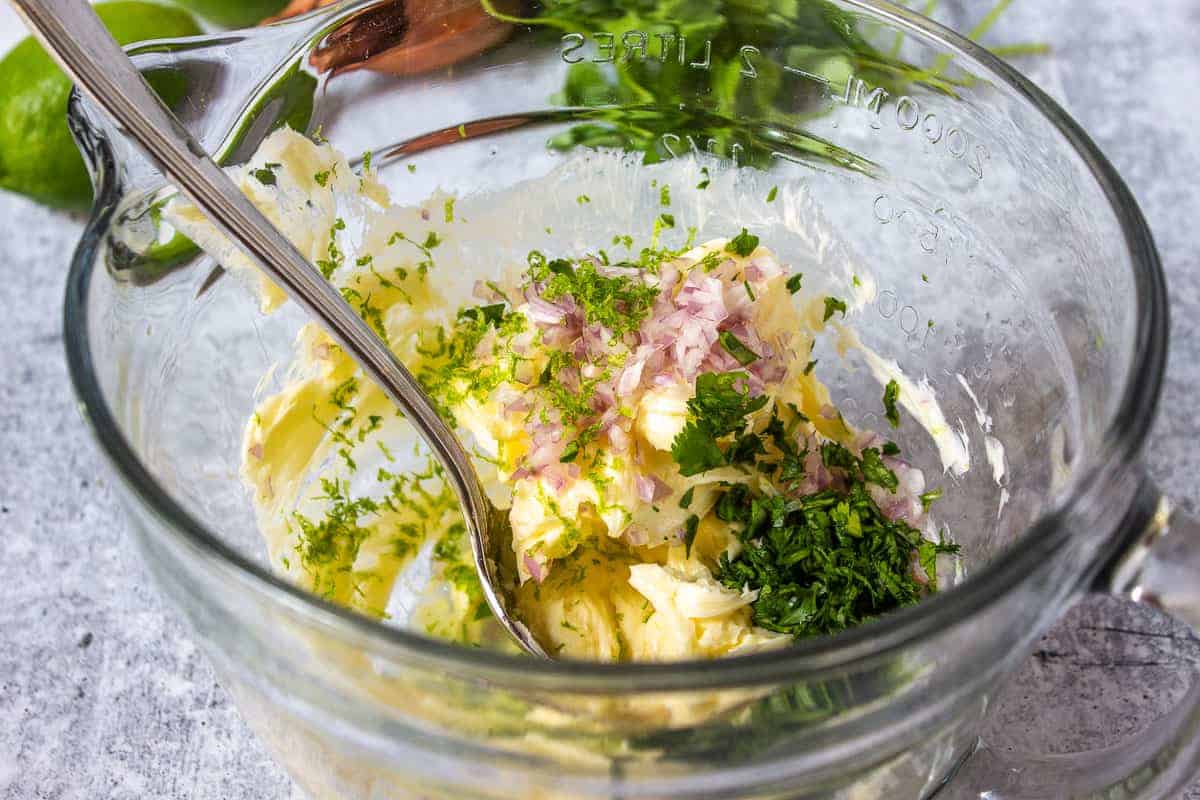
103,695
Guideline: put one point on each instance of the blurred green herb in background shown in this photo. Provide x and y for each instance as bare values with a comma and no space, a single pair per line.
640,97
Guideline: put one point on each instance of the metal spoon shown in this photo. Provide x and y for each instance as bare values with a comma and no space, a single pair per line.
74,35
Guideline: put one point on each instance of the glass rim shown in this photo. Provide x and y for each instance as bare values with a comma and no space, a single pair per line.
1123,435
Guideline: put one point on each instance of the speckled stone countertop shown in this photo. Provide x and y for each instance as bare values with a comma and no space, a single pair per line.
103,695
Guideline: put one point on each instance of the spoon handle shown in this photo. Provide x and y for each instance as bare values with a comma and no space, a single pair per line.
74,35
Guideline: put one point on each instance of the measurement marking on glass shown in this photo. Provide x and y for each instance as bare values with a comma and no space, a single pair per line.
908,115
635,45
672,145
890,307
926,232
805,74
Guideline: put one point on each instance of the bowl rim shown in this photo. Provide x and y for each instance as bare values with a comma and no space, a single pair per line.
1127,428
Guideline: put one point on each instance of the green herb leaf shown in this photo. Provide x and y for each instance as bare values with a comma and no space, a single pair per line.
491,314
743,244
823,562
686,500
266,174
733,345
771,194
745,449
832,305
876,472
891,394
570,452
836,456
793,283
721,404
718,409
689,534
928,498
696,451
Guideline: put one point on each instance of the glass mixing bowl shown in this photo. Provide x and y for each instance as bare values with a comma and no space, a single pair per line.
1002,256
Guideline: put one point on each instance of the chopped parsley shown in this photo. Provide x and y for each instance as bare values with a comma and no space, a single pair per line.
733,345
928,498
826,561
743,244
703,184
686,501
664,195
490,314
689,534
793,283
891,393
832,306
876,472
266,173
772,194
718,409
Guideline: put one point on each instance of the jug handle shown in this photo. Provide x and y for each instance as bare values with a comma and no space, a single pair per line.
1158,563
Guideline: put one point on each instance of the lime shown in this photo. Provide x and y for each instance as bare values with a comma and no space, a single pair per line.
37,154
233,13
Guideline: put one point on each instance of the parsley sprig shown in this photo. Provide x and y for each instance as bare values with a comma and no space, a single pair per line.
720,408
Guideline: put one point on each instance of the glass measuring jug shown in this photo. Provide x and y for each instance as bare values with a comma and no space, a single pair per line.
935,175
